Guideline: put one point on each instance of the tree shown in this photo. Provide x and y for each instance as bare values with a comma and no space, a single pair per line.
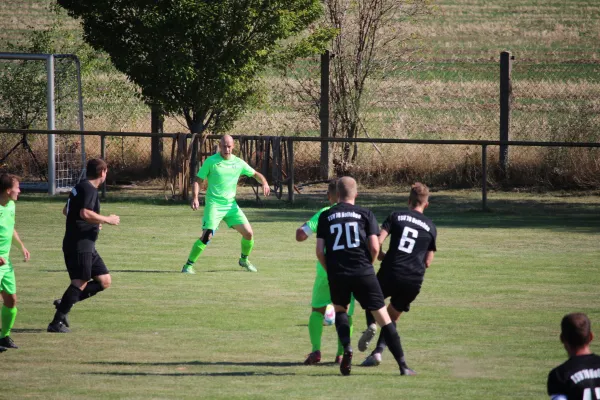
372,44
195,58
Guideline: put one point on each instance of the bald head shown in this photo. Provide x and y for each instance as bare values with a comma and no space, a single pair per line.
346,189
226,145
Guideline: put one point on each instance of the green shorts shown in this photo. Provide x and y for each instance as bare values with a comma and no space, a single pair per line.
8,283
232,214
321,295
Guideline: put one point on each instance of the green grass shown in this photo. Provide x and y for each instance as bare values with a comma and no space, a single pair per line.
485,325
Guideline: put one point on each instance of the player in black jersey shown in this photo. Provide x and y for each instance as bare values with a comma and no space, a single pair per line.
412,244
86,269
578,378
347,246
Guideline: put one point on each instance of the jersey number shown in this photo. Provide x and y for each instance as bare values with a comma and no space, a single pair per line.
587,394
407,241
352,239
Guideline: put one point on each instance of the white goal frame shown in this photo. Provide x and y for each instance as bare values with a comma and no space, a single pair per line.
50,107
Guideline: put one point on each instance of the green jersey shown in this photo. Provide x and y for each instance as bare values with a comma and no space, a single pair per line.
7,227
309,228
222,176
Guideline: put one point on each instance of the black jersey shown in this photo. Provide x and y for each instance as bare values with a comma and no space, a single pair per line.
79,235
412,236
345,228
577,378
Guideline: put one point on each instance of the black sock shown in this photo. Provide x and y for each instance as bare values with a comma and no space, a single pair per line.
70,297
90,290
381,345
343,328
392,339
370,318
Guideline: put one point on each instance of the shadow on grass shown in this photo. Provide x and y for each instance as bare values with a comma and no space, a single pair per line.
174,374
28,330
277,364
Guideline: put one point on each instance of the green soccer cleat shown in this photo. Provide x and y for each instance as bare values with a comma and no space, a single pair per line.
245,263
188,269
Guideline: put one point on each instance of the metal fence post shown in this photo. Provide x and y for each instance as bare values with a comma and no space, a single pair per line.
103,156
484,177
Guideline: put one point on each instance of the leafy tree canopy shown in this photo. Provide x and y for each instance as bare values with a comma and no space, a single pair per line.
196,58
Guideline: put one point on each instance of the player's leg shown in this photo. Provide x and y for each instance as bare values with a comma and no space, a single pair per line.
340,349
237,220
341,293
8,289
213,214
368,334
79,266
320,300
100,281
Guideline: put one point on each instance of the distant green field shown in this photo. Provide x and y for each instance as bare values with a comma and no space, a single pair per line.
485,325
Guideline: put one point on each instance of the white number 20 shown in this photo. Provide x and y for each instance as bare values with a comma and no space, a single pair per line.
587,394
352,239
407,241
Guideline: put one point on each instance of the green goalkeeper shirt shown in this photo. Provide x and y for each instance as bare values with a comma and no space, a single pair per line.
7,227
222,176
309,228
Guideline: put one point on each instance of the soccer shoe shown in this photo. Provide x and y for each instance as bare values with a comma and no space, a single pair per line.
313,358
58,327
188,269
366,337
3,349
346,364
338,360
8,343
245,263
56,304
404,370
372,361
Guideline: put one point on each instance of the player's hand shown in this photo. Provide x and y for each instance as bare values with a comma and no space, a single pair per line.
99,227
381,255
2,261
195,204
26,254
113,219
266,189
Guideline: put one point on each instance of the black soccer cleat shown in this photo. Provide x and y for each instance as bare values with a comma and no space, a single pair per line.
8,343
56,303
346,364
58,327
3,349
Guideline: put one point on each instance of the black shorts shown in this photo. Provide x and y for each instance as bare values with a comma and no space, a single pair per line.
401,293
84,265
366,291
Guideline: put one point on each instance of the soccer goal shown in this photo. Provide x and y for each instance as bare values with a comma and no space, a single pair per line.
64,166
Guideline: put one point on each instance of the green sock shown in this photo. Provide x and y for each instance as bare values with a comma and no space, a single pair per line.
340,349
247,246
8,320
197,249
315,329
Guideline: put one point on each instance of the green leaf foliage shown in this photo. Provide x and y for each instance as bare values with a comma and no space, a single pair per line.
199,59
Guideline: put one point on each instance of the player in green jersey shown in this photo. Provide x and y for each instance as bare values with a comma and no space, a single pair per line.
221,171
9,192
320,296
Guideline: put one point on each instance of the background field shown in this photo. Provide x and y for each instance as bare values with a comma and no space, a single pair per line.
486,324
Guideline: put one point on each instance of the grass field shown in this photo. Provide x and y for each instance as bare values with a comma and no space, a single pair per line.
485,325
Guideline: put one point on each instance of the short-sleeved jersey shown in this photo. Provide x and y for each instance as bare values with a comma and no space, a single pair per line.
577,378
345,228
222,176
412,236
7,227
309,228
80,235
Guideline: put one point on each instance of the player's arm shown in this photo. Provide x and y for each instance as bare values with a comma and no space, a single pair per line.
260,178
65,210
383,234
198,183
373,245
429,258
16,237
92,217
321,253
303,233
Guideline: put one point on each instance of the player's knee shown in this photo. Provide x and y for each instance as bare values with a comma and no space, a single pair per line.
106,281
10,301
206,236
248,235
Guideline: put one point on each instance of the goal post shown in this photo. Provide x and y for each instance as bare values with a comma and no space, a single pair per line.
56,182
